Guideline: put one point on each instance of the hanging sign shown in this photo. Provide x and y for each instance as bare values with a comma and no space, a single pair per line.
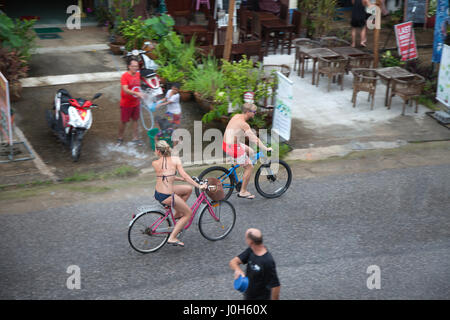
406,40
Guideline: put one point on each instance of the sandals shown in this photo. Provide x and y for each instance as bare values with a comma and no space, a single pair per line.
249,196
176,243
119,142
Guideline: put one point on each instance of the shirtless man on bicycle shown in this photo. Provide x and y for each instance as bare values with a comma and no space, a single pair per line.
235,132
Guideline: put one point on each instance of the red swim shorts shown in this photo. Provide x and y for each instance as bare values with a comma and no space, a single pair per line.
127,113
235,150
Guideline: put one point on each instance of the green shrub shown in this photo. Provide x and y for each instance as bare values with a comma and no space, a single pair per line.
17,35
388,60
206,79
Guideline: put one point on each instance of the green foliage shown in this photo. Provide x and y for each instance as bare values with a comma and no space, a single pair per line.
258,121
175,58
319,15
122,11
432,7
206,79
171,73
104,16
388,60
282,149
135,33
160,26
12,65
17,35
240,77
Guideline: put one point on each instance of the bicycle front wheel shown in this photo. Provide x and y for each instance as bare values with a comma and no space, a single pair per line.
217,224
273,179
223,175
143,235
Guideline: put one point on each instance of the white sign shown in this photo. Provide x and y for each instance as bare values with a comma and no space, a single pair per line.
5,112
282,110
443,85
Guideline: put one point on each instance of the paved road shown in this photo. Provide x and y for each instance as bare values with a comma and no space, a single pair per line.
324,234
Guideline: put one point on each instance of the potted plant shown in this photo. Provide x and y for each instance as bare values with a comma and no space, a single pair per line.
238,78
13,67
17,35
389,60
205,81
177,57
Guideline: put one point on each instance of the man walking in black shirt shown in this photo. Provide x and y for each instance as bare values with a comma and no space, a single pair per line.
261,270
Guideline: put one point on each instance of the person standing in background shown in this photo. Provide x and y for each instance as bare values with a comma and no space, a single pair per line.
358,21
130,96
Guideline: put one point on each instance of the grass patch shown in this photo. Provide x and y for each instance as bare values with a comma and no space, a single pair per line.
79,177
427,102
122,172
89,189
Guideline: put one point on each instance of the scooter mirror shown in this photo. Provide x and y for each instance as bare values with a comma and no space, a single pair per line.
97,95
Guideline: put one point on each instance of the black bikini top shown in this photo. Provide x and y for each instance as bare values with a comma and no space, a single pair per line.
164,177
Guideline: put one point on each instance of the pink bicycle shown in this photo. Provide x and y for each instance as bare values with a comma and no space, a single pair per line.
151,227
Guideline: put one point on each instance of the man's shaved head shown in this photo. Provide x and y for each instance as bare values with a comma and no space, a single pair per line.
254,235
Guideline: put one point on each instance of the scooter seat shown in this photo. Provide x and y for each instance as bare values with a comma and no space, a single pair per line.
65,107
148,73
65,96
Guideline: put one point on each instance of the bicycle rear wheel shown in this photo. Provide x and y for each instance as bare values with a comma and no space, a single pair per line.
221,173
218,227
273,179
142,235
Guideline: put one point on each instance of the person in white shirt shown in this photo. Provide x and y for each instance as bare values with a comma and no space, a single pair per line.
172,101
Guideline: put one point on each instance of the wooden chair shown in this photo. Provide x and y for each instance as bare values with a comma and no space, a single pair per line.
249,49
284,11
296,21
256,27
331,42
218,51
254,48
257,31
332,67
244,30
407,89
365,61
364,80
302,44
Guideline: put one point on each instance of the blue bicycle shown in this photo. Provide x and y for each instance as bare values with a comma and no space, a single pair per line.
272,178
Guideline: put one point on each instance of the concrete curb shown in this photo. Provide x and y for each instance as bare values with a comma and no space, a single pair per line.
312,154
321,153
40,165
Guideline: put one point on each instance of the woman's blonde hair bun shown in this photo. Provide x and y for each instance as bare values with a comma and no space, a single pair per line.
164,148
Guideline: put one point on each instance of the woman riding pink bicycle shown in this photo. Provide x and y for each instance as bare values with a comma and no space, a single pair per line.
168,194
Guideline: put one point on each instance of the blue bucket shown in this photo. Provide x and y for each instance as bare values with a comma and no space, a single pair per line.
241,284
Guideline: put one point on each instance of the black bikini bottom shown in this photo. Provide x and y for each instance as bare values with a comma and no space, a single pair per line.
161,196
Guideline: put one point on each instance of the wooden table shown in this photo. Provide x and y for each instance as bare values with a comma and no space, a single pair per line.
276,26
389,73
348,52
199,30
314,54
263,16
